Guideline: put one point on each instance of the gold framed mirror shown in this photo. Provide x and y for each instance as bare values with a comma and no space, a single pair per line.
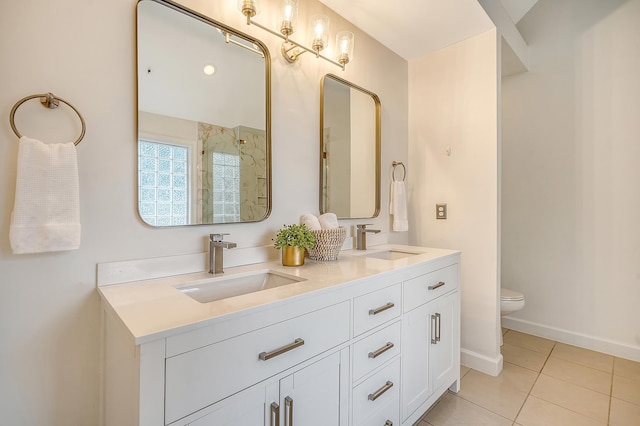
349,149
204,119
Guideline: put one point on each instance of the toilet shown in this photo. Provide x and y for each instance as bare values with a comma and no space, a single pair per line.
510,301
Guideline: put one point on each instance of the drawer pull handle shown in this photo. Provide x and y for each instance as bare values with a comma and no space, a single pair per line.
268,355
380,351
275,414
288,405
433,287
379,392
388,423
376,311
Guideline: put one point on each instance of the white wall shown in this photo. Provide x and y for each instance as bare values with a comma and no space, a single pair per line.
453,103
571,200
84,51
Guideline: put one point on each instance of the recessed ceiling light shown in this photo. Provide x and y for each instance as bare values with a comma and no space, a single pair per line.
209,69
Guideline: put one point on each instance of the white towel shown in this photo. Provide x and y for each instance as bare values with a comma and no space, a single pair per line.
398,206
328,221
311,221
46,213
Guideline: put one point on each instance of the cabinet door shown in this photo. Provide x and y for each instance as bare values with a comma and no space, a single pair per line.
242,409
317,395
445,352
416,335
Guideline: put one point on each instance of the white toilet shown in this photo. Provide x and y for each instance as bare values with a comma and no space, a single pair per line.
510,301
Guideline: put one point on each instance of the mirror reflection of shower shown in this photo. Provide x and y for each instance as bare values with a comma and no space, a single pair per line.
232,186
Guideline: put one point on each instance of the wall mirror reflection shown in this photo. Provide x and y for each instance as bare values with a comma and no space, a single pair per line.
349,149
204,143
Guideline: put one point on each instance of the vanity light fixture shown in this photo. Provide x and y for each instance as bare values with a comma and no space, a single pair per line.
319,29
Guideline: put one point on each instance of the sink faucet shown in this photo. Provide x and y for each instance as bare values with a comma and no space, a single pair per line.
361,235
216,244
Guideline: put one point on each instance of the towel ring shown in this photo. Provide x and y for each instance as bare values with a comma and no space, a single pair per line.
404,170
48,100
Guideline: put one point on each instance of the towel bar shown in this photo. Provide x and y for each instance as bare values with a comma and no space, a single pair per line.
48,100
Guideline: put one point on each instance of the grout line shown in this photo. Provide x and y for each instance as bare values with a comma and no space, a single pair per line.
613,370
484,408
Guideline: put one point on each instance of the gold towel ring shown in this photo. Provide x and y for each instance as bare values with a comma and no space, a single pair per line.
48,100
404,170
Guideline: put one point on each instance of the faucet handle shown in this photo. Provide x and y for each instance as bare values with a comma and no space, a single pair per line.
363,225
217,238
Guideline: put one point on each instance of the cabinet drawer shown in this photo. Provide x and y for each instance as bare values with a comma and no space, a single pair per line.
373,351
201,377
388,415
421,289
376,392
376,308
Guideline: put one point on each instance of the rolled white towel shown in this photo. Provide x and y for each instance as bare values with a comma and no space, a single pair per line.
311,221
328,221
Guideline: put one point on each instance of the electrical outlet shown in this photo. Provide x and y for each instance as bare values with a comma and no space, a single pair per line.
441,211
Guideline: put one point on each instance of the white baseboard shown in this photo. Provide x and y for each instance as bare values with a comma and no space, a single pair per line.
572,338
482,363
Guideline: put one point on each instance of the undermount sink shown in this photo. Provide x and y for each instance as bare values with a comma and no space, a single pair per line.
218,288
390,254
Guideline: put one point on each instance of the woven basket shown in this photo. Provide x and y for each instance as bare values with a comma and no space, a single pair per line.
328,243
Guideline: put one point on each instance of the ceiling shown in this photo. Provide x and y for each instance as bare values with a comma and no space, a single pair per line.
413,28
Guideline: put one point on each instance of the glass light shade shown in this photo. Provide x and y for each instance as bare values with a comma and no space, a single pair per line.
344,46
289,17
319,32
249,8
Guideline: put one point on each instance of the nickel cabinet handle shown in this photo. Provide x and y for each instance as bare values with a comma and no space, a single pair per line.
382,390
433,287
435,328
380,351
275,414
288,405
383,308
268,355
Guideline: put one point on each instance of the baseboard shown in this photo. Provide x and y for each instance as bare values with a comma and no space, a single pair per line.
482,363
572,338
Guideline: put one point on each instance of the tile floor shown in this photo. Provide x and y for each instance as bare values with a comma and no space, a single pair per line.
544,383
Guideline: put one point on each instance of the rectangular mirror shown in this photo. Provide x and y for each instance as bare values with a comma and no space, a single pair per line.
204,139
349,149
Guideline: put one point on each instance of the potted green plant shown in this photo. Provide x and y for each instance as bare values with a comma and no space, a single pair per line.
293,240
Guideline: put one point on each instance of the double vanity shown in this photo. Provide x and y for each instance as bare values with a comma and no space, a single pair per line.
370,339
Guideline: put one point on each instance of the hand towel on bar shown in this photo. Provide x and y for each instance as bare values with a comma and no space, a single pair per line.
328,221
311,221
46,212
398,206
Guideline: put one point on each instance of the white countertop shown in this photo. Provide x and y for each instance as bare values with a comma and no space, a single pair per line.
154,308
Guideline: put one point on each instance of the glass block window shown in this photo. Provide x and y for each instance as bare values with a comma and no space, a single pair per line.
163,175
226,187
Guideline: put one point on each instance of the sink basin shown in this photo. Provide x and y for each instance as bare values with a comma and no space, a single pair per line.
209,290
390,254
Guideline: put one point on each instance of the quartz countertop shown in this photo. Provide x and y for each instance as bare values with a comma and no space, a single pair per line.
154,308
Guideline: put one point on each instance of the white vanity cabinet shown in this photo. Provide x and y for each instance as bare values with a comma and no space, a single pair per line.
431,338
377,348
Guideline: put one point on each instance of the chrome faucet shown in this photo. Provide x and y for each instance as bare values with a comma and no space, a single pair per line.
216,244
361,235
